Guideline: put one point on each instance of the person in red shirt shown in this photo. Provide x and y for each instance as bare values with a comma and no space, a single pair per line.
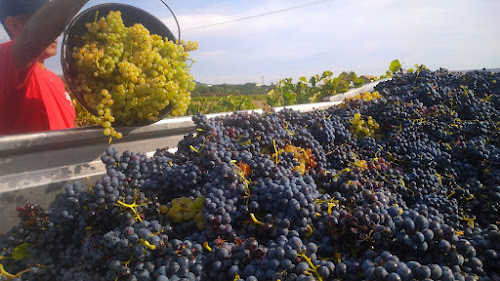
33,98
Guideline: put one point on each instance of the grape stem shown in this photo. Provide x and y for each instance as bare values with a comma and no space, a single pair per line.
205,245
3,272
192,62
309,231
275,152
132,208
241,173
331,203
255,220
341,172
286,128
470,221
313,268
147,244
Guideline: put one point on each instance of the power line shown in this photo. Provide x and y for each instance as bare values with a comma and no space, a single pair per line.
175,18
261,15
202,6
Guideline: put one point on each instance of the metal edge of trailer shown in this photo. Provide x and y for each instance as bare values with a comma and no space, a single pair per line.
35,167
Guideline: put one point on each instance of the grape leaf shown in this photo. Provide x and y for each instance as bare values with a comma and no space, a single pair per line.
228,104
395,66
21,252
249,104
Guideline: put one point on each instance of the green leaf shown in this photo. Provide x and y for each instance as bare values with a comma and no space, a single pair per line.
21,252
289,95
272,102
229,105
313,80
358,82
326,73
249,104
395,66
314,98
303,79
240,105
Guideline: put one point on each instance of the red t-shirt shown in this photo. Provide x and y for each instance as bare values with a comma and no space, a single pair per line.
31,99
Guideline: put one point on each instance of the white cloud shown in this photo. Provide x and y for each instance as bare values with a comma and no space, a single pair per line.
362,36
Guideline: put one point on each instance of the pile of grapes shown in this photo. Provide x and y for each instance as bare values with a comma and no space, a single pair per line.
292,196
129,76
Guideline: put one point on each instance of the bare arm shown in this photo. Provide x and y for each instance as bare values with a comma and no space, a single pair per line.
43,28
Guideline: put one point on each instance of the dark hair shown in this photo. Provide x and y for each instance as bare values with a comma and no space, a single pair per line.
13,8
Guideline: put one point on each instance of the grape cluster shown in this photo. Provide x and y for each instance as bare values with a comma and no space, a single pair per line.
291,196
301,159
185,209
364,128
365,96
128,76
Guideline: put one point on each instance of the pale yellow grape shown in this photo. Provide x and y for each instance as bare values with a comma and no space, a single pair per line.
163,209
127,75
199,217
178,217
186,209
362,128
176,207
198,202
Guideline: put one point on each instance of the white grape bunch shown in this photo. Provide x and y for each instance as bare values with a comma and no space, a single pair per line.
128,76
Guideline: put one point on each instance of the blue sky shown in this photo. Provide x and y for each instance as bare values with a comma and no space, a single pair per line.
362,36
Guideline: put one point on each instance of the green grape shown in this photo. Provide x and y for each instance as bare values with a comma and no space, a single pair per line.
184,209
361,128
128,75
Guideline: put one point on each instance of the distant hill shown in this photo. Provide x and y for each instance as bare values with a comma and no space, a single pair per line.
201,84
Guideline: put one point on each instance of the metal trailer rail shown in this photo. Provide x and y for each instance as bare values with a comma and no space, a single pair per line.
35,167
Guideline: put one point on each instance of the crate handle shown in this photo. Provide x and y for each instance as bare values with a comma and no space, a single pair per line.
175,18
